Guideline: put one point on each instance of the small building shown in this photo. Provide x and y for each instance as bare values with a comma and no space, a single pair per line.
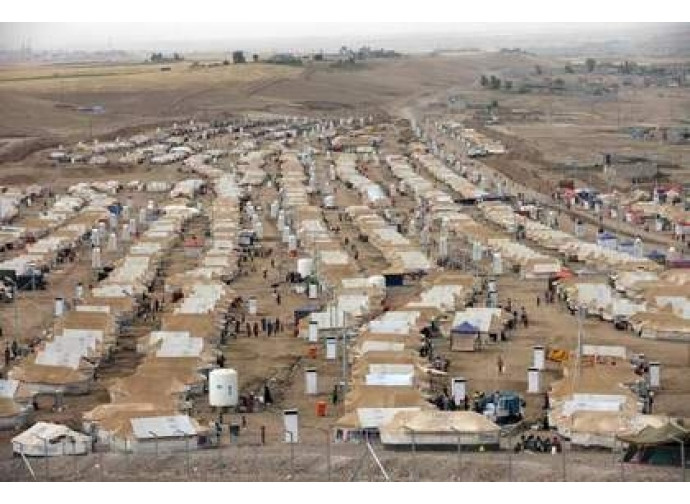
165,434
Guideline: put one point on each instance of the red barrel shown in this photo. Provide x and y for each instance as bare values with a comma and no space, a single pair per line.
312,352
321,409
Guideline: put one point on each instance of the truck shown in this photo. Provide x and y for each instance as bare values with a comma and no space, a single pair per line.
30,278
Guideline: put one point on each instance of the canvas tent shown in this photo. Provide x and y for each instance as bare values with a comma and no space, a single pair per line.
51,440
440,428
657,445
464,337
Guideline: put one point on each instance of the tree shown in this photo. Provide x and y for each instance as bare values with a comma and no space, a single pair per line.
484,81
226,62
495,82
318,57
238,57
569,69
508,85
177,57
255,57
590,63
537,69
559,83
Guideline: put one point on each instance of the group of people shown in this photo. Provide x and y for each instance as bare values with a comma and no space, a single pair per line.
536,444
11,352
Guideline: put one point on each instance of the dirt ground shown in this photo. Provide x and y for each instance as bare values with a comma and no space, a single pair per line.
412,86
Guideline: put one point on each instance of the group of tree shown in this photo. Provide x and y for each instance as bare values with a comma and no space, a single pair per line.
627,67
160,58
491,82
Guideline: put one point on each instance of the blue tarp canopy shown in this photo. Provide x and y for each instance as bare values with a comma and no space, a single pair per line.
606,236
655,254
115,209
466,328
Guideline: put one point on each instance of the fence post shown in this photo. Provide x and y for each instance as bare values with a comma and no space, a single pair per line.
328,454
510,457
74,456
45,447
564,461
292,454
100,461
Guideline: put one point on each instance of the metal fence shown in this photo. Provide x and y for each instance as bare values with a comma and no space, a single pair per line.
317,458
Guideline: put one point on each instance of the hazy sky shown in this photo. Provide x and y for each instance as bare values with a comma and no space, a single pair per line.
128,36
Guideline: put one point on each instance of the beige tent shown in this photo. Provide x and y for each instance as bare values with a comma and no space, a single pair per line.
440,428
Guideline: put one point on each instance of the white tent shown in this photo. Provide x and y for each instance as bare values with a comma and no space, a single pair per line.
51,440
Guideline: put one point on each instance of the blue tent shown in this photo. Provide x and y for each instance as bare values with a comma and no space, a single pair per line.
655,255
465,328
606,236
115,209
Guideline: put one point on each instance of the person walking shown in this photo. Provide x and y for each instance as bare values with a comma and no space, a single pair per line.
248,326
500,364
278,327
8,355
256,329
269,327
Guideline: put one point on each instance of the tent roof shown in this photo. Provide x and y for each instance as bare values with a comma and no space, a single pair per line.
433,421
466,328
652,436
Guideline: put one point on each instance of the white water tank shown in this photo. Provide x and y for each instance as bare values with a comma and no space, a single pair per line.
443,246
126,236
286,234
533,381
459,389
96,257
329,201
497,264
538,357
313,291
95,237
259,229
304,266
274,210
133,225
476,251
655,375
112,242
310,381
223,387
292,243
291,425
253,305
313,335
59,307
331,349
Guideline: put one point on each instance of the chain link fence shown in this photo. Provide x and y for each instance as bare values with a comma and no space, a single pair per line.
317,458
